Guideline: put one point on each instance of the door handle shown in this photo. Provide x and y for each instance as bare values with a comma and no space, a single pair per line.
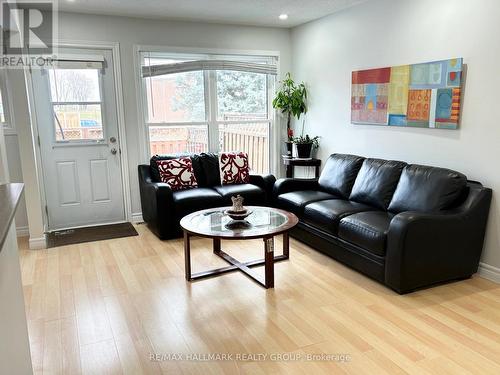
113,151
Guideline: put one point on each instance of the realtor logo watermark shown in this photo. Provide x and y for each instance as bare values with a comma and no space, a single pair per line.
29,31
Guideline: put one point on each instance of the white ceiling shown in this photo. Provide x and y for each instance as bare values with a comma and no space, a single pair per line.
244,12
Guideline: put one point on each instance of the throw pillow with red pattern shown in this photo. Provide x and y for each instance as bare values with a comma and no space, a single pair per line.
234,168
177,173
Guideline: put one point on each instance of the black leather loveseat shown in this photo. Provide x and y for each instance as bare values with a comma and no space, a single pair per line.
162,208
407,226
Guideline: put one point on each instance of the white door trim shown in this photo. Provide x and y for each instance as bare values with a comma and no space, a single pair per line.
38,154
114,47
141,108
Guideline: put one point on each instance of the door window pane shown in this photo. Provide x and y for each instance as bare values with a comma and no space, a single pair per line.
250,138
176,97
74,85
76,99
241,95
78,122
177,139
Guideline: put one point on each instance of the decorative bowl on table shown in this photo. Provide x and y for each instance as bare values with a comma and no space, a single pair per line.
238,215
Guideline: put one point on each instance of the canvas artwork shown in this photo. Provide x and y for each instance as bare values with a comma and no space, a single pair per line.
420,95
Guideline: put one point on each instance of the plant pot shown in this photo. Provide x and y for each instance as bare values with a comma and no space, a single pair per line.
304,150
288,149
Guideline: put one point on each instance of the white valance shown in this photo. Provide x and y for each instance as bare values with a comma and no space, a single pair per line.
189,66
79,62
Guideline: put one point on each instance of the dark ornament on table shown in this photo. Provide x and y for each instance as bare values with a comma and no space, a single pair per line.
238,213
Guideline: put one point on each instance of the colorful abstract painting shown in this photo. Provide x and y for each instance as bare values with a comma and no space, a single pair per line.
419,95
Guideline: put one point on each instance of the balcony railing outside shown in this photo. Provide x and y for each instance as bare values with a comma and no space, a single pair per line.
178,139
250,138
78,122
78,134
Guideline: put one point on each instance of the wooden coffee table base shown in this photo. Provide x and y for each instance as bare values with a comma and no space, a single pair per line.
235,265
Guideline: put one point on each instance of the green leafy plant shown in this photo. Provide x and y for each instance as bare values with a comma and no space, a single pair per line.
291,99
305,139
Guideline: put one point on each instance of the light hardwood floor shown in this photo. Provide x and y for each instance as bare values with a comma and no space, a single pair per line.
104,307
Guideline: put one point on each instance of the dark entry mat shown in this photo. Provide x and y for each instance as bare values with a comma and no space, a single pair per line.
90,234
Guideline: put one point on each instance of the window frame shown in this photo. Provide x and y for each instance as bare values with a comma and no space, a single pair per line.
7,125
210,95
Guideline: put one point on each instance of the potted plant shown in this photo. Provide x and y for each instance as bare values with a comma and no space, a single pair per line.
305,144
291,100
289,142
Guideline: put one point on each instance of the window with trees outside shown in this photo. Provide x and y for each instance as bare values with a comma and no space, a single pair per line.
211,103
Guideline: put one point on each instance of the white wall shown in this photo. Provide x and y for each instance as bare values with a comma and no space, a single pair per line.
14,344
15,355
21,158
131,31
16,175
389,32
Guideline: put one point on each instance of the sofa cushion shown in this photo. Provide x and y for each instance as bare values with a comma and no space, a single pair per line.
376,182
339,174
429,189
197,167
326,214
188,201
252,194
209,166
367,230
296,200
234,168
177,173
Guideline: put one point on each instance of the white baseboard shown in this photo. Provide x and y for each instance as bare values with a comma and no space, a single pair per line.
137,218
38,243
489,272
22,231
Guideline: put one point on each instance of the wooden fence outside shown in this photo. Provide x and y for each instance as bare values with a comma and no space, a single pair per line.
70,134
250,138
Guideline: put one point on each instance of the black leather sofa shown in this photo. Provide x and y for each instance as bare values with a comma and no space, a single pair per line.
407,226
162,208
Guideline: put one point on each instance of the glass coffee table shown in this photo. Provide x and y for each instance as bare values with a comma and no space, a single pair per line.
264,222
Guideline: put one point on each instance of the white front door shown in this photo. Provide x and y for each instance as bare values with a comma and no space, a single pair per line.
77,121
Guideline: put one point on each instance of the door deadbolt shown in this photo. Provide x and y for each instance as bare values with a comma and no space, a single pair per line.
112,139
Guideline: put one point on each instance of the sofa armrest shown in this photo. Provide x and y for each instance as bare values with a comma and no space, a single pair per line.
156,202
287,185
265,182
429,248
